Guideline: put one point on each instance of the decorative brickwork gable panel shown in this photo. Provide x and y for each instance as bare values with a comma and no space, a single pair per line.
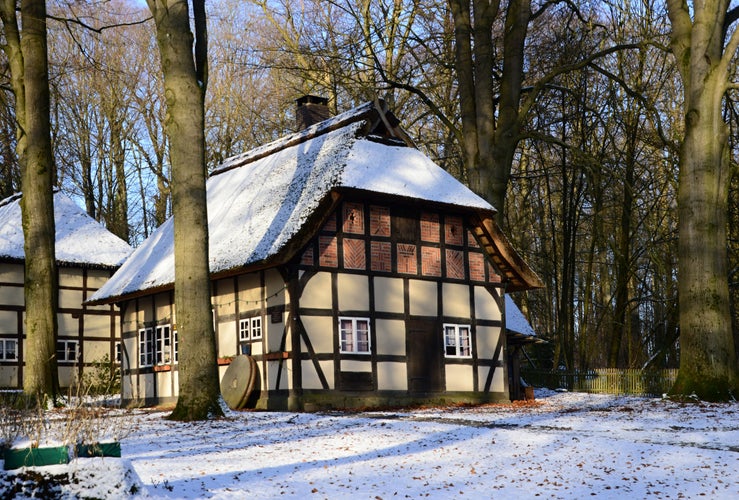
454,264
328,251
471,241
353,218
430,261
430,227
380,259
330,224
407,263
477,266
453,231
307,259
379,221
493,277
354,254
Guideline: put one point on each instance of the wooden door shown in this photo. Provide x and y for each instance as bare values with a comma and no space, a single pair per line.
424,349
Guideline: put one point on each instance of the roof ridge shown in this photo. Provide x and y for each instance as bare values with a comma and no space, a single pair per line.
339,121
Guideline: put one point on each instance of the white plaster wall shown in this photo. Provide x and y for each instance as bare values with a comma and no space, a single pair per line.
317,292
487,340
310,375
11,273
459,378
485,305
94,351
11,295
392,376
96,278
70,299
164,309
97,326
67,325
227,339
320,333
275,288
423,298
164,384
354,365
353,291
8,322
497,384
390,335
273,333
456,300
67,375
250,289
388,294
70,276
9,376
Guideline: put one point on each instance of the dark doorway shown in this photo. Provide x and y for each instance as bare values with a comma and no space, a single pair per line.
424,356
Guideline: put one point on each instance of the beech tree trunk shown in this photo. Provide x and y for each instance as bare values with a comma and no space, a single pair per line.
185,81
488,147
708,363
28,61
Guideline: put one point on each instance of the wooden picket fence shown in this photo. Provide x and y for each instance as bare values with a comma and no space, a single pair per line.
604,380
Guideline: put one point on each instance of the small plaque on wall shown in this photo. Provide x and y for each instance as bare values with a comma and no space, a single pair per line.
276,317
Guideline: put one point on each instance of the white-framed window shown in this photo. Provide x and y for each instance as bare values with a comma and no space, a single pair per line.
457,341
164,345
146,347
354,335
250,329
67,351
8,350
158,346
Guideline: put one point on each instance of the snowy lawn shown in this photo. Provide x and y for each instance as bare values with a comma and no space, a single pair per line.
563,445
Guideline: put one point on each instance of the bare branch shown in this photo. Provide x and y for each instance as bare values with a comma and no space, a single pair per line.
67,21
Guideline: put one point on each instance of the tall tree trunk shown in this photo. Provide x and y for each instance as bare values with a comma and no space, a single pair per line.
27,54
508,130
185,80
708,363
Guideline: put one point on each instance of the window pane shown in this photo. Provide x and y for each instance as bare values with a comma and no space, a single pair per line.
71,351
176,347
450,340
2,349
256,328
347,335
362,336
464,341
10,349
244,329
60,351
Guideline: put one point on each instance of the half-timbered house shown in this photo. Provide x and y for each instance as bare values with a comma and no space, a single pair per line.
87,254
351,269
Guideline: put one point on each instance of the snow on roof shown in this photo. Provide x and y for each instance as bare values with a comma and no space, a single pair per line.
258,201
80,239
515,321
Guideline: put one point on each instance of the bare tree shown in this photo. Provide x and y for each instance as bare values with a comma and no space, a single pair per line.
27,54
185,80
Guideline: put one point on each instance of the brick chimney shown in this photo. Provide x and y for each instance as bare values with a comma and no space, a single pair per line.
310,110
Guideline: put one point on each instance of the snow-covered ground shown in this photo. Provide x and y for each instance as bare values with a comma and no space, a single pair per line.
563,445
